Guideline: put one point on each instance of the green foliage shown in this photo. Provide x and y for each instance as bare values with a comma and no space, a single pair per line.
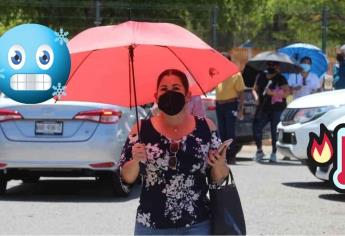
266,23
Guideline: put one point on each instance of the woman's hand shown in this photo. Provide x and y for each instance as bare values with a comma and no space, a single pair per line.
219,170
217,160
270,92
139,152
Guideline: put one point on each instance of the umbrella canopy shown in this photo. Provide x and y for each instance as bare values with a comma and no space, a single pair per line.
120,64
299,50
249,75
259,62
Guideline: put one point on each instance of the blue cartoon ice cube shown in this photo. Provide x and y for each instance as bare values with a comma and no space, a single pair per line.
33,61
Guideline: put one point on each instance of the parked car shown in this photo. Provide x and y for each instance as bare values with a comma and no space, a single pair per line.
244,130
304,115
63,139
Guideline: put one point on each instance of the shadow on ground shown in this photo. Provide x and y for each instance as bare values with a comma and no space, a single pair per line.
309,185
244,159
280,163
338,197
65,191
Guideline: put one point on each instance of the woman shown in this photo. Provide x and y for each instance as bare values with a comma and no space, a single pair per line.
272,89
172,156
306,82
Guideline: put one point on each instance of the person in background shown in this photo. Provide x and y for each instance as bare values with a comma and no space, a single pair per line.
196,107
229,107
306,82
272,89
339,70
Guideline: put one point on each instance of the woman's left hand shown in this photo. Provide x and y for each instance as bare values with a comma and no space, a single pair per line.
217,160
219,170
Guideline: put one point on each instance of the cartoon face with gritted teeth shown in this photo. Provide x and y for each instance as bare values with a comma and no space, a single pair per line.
34,62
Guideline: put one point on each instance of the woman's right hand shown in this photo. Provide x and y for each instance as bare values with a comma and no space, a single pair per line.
139,152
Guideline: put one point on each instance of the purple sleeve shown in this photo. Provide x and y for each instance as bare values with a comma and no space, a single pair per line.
196,106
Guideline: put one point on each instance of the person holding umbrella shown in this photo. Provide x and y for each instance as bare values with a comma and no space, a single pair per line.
314,64
306,82
272,89
172,152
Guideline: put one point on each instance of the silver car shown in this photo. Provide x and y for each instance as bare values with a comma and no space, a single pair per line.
63,139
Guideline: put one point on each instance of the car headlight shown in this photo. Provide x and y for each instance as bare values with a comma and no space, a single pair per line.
308,114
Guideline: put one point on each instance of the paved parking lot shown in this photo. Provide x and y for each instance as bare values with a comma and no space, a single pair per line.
282,198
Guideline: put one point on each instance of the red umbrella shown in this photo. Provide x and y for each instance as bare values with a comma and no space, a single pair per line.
119,64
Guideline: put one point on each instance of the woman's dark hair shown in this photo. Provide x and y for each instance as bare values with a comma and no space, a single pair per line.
177,73
306,58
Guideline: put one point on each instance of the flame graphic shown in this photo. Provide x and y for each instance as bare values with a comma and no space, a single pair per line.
321,153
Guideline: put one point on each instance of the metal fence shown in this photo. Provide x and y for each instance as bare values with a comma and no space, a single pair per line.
205,21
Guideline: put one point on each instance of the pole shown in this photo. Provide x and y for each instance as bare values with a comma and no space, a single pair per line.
98,20
324,27
132,80
214,25
129,9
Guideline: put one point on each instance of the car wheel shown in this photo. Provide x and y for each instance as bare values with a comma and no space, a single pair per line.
311,166
3,184
31,179
118,188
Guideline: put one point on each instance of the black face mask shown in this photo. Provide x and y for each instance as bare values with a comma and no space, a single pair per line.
171,102
271,70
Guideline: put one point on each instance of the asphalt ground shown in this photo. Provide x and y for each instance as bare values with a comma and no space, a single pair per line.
277,198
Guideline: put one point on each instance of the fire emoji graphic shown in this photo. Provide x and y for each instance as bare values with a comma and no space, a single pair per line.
327,150
320,150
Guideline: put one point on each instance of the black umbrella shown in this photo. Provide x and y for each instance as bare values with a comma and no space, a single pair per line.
249,75
259,62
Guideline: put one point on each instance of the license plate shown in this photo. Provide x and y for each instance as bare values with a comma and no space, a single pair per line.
49,127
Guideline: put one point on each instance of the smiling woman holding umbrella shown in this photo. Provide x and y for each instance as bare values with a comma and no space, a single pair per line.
172,155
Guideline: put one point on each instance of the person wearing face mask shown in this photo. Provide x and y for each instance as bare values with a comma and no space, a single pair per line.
172,153
305,82
195,106
271,89
339,70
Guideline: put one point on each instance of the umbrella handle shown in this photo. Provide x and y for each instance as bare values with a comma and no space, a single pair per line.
132,78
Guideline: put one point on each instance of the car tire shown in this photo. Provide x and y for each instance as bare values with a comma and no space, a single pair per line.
3,184
117,187
311,166
31,179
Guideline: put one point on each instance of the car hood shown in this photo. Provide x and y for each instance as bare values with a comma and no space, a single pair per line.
335,98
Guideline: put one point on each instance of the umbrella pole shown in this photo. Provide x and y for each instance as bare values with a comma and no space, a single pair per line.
132,78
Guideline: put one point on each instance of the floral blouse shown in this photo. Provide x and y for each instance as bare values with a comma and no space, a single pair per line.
173,197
